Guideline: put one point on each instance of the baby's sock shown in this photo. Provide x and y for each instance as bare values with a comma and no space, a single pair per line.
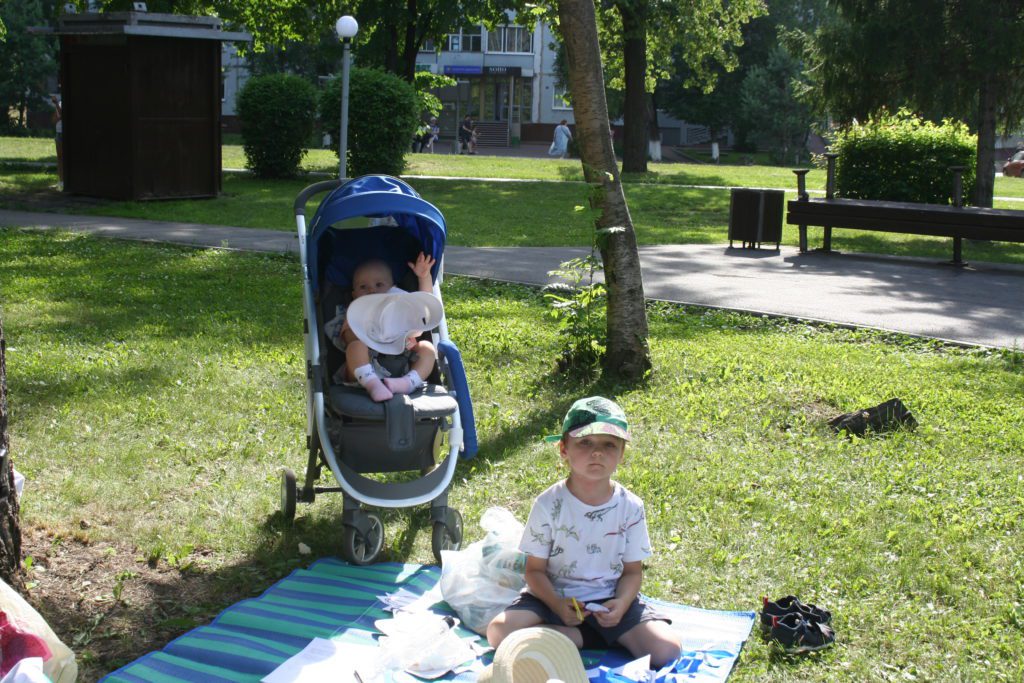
369,380
404,385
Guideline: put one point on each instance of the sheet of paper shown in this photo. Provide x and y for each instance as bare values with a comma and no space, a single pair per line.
323,661
425,601
637,670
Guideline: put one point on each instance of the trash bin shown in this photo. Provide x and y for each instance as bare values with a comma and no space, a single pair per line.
755,216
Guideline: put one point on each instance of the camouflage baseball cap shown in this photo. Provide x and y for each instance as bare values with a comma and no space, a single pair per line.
594,415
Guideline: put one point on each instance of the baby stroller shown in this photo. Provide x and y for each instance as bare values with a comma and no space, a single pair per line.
347,431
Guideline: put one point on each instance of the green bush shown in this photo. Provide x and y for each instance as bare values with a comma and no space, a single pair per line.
383,112
900,157
276,113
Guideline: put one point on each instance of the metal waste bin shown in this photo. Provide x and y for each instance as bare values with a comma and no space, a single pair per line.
755,216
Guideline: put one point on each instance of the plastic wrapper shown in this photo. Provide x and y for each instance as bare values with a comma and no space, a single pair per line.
484,578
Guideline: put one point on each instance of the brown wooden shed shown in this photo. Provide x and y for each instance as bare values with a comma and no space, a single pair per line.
141,99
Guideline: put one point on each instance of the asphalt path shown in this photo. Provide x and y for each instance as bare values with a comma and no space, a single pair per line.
982,304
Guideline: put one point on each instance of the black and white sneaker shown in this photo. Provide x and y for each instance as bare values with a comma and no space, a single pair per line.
791,605
796,634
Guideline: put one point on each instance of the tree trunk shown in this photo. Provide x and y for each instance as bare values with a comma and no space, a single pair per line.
10,524
628,356
984,184
410,47
635,135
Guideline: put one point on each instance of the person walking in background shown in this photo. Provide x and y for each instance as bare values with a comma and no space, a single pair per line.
467,135
58,138
560,145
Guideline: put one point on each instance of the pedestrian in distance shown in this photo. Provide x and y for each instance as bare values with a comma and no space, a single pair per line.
560,145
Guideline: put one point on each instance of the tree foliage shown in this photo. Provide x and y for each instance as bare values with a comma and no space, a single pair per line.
391,32
425,83
640,38
769,105
28,60
943,58
781,28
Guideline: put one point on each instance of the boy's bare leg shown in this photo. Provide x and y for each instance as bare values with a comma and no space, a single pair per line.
656,638
513,620
357,363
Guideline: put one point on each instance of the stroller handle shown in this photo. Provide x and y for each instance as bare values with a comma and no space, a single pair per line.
315,188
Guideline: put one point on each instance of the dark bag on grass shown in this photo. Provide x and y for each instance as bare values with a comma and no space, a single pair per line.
881,418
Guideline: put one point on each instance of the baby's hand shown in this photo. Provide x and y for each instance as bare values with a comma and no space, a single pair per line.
423,265
410,343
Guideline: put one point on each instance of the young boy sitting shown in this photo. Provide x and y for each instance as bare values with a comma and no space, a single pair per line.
585,542
361,362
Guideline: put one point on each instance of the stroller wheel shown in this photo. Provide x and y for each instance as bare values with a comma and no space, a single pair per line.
447,535
289,493
363,547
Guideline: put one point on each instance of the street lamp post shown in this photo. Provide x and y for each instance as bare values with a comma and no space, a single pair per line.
347,27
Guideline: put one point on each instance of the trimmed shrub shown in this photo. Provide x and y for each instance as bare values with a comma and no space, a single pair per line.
277,113
383,113
900,157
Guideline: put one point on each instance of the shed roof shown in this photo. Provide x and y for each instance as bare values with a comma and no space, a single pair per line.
147,24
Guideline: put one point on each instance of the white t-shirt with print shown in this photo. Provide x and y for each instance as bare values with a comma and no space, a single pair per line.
586,545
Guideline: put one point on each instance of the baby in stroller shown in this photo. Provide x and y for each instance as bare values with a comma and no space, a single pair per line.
375,369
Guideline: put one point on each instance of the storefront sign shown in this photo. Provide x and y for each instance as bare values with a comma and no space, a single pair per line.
463,70
503,70
459,70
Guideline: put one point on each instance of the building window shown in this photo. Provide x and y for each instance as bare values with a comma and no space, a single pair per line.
559,99
428,46
510,39
466,40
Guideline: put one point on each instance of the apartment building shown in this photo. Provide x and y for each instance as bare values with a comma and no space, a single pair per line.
505,81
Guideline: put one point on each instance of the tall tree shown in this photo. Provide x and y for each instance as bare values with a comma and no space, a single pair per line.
627,356
715,104
770,103
10,515
704,32
940,57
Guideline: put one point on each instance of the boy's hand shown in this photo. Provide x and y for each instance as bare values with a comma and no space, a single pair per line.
423,265
616,610
567,612
410,343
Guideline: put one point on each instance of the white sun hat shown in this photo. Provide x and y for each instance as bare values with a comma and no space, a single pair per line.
384,321
535,655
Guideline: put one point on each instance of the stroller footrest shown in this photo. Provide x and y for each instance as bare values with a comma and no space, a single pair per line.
430,402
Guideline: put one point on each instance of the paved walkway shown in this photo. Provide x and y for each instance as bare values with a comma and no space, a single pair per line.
982,304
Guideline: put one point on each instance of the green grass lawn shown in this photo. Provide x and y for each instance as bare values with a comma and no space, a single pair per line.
500,212
449,166
155,392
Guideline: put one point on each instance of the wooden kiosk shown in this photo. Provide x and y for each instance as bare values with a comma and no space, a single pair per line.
141,99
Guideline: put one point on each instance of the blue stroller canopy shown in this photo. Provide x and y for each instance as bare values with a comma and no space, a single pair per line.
336,252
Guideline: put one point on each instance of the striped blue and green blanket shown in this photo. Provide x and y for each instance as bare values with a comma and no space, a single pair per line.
253,637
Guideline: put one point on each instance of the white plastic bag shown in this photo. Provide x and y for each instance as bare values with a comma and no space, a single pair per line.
480,581
60,666
422,643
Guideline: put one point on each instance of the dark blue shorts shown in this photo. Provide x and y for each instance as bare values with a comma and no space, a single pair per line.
638,613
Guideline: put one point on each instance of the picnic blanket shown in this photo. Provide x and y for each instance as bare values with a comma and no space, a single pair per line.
331,598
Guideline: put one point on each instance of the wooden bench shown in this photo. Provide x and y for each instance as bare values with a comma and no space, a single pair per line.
941,220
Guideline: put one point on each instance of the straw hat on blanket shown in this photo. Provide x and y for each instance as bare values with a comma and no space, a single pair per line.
535,655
